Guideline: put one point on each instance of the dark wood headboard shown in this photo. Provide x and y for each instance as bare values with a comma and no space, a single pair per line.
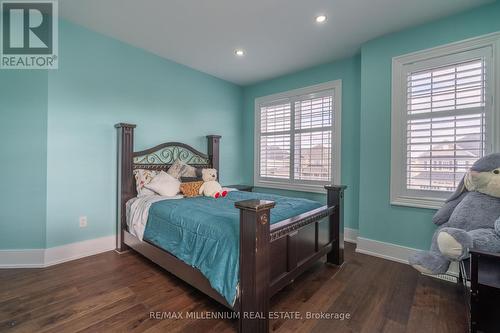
160,157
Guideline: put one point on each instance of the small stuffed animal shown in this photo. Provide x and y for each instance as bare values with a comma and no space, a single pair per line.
469,219
210,187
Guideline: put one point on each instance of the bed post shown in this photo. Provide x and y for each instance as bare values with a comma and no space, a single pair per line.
213,151
335,198
125,189
254,265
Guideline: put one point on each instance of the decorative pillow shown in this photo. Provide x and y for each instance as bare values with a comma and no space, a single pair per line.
191,189
142,178
164,185
180,169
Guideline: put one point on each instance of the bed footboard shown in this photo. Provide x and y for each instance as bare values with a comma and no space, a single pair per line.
335,199
254,265
271,257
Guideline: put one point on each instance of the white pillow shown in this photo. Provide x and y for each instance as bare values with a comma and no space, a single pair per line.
143,177
164,185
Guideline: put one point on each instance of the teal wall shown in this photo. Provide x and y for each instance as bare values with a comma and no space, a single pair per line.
347,70
366,125
23,148
100,82
58,144
377,218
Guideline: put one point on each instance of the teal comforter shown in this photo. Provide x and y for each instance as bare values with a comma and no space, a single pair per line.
204,232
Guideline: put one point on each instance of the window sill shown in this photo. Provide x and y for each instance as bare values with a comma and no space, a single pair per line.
415,202
291,187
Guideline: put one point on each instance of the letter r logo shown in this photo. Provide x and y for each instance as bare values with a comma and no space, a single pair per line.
27,27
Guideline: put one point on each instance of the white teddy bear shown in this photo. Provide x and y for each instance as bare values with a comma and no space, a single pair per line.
210,187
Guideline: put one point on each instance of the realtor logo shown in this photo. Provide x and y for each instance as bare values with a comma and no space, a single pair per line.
29,32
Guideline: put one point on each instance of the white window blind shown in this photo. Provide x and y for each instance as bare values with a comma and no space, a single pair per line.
313,137
296,134
446,129
444,118
275,140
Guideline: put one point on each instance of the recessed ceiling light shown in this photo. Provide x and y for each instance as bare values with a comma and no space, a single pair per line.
239,52
320,18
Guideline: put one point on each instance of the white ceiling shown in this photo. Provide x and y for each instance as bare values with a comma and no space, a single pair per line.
279,36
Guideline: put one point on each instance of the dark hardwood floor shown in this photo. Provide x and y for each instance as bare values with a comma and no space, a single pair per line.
111,292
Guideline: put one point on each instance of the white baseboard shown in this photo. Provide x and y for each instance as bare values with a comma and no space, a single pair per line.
383,250
392,252
30,258
38,258
60,254
351,235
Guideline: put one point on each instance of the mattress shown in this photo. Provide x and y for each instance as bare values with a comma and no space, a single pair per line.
204,232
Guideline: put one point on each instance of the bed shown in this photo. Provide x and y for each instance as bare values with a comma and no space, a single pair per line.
259,229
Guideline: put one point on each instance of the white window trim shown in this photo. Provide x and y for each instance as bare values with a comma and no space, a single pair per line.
287,184
398,104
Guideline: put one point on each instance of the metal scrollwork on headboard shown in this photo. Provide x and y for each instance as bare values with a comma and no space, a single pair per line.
168,153
158,158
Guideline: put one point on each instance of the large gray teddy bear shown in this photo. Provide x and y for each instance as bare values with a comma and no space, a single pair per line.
469,219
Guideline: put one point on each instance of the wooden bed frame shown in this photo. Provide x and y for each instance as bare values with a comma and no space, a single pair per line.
294,244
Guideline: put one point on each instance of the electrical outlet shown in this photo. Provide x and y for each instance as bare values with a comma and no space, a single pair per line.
83,221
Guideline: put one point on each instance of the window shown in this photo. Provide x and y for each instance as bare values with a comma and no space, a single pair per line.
443,118
297,139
